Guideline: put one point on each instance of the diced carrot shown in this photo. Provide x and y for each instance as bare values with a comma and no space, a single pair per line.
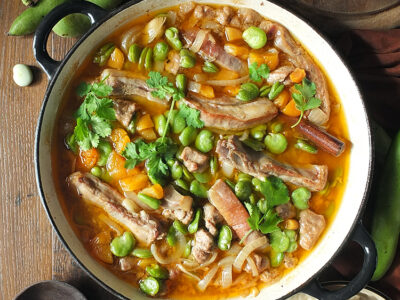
87,159
155,191
144,122
100,246
225,74
134,183
282,99
269,58
232,90
148,134
235,50
116,60
233,34
116,167
291,110
119,138
207,91
297,75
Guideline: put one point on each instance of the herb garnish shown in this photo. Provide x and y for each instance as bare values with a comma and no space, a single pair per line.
191,116
258,73
305,100
94,116
163,88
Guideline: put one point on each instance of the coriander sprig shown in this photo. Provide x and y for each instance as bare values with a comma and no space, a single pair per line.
257,73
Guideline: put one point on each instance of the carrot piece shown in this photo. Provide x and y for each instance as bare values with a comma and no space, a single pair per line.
88,159
297,75
116,167
233,34
155,191
116,60
134,183
119,138
144,122
232,90
148,134
282,99
239,51
269,58
207,91
100,246
291,110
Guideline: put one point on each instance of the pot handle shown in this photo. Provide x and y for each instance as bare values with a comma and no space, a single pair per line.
49,65
362,237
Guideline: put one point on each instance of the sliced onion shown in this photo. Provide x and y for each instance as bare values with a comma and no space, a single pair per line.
229,82
227,169
158,65
171,18
180,267
247,250
226,276
228,260
239,279
172,63
130,205
114,226
252,266
235,249
191,264
129,37
199,77
154,29
202,285
174,257
317,116
208,24
210,261
194,86
133,196
199,40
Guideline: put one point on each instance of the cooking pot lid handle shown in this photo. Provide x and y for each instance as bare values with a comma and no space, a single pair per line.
362,237
49,65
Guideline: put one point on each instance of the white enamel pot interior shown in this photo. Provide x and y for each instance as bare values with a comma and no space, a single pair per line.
60,74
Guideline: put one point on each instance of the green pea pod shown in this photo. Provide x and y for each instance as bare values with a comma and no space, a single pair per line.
180,183
264,91
276,89
194,225
148,62
160,123
188,249
304,146
150,201
179,226
29,19
386,219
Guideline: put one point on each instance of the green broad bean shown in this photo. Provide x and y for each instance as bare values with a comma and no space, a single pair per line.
204,177
248,91
176,171
150,286
300,197
254,144
171,236
105,150
276,127
142,58
262,205
172,36
204,141
244,177
255,37
303,145
188,249
186,174
142,253
181,82
253,199
209,67
150,201
160,51
132,125
178,124
213,165
188,58
292,247
148,62
230,184
156,271
134,53
170,162
194,225
103,54
180,183
225,238
276,89
96,171
105,176
292,235
279,241
197,189
276,258
187,136
180,227
264,90
243,189
122,245
259,132
276,143
257,184
70,143
160,123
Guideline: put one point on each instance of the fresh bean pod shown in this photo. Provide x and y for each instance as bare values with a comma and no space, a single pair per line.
213,165
180,227
303,145
188,249
254,144
264,90
160,123
142,58
204,177
176,171
279,241
148,62
194,225
103,54
180,183
276,89
276,258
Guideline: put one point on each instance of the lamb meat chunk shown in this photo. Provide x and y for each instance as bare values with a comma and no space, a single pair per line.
280,74
125,85
145,228
204,11
124,111
261,261
185,8
249,16
177,206
222,100
290,261
260,165
232,210
286,211
203,246
311,227
126,263
212,218
210,50
236,116
193,160
224,15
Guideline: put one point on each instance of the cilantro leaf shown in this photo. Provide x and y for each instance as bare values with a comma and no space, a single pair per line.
266,223
305,99
163,89
275,191
83,88
258,73
191,115
255,215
